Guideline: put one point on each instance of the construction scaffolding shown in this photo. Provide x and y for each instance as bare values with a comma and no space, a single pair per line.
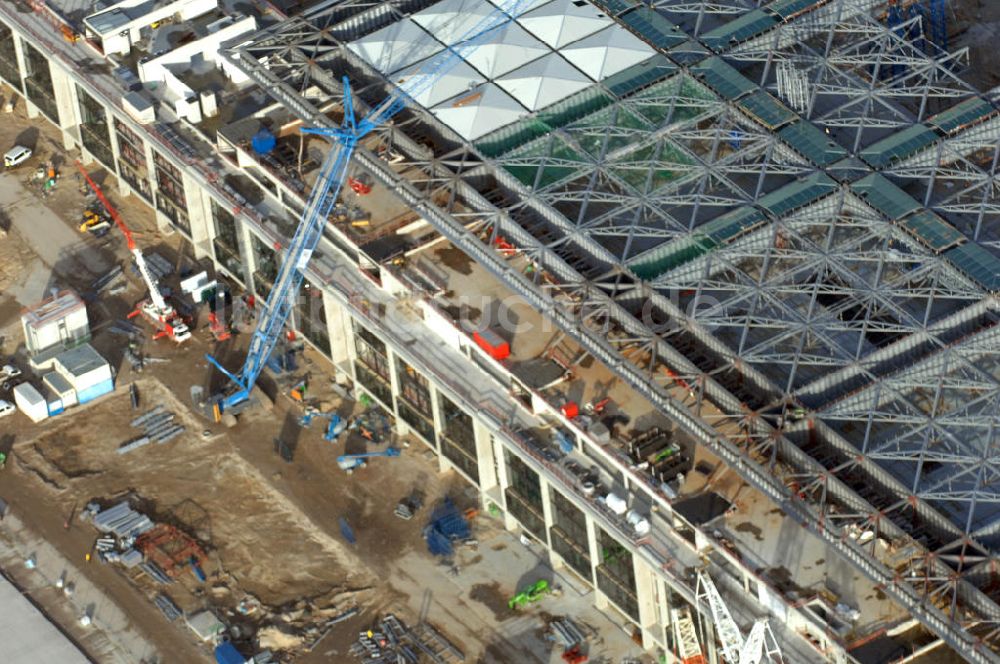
780,227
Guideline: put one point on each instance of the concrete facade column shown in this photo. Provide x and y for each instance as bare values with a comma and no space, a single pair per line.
68,107
595,559
484,454
509,522
543,486
199,205
22,63
19,54
243,245
647,595
338,329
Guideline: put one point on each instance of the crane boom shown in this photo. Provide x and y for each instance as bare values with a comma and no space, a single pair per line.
333,173
726,628
760,642
157,306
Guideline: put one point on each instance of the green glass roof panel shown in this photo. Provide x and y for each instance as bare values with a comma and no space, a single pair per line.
651,166
884,196
798,194
639,76
591,131
961,115
976,263
731,225
932,230
806,139
672,101
511,137
722,78
575,107
766,109
689,52
900,145
739,30
849,169
670,255
788,9
544,162
655,29
615,7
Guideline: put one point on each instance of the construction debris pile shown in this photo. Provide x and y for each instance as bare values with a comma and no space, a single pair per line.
288,630
132,539
158,426
570,638
390,641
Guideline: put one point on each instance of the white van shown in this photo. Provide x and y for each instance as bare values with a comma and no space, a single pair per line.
16,155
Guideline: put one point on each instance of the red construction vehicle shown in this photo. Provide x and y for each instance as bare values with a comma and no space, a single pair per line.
218,328
360,186
155,309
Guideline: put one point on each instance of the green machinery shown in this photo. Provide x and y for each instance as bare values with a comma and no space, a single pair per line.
530,594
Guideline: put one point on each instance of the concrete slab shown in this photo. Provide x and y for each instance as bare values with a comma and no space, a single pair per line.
45,232
27,635
472,603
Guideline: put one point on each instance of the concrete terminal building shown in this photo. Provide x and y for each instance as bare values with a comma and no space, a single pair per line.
677,286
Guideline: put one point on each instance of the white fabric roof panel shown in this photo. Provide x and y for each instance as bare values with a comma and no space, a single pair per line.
478,112
543,82
562,22
396,46
607,52
459,79
506,49
526,6
450,20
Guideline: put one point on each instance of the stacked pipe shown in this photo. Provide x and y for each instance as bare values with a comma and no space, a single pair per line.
158,426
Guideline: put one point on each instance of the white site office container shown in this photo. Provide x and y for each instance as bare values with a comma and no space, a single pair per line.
60,320
86,371
60,387
31,402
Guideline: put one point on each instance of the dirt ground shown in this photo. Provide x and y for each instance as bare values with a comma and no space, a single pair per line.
255,527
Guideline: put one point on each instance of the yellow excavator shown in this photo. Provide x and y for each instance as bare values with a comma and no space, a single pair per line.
94,223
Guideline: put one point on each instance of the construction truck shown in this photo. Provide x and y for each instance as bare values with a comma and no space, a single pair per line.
154,309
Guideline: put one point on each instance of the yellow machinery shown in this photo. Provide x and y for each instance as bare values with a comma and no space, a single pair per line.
93,222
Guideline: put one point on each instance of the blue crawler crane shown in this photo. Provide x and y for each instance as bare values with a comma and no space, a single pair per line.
333,173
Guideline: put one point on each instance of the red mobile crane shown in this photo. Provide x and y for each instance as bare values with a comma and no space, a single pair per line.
154,309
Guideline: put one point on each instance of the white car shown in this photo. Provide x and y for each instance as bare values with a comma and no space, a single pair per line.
16,155
7,408
9,371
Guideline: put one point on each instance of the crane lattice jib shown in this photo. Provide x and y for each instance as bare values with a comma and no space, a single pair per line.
331,178
725,627
274,313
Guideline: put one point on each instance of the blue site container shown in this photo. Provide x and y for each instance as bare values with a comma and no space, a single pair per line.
226,653
99,390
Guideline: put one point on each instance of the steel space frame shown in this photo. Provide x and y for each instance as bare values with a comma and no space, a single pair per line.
786,311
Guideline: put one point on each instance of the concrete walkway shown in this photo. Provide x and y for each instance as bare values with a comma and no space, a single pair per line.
60,248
